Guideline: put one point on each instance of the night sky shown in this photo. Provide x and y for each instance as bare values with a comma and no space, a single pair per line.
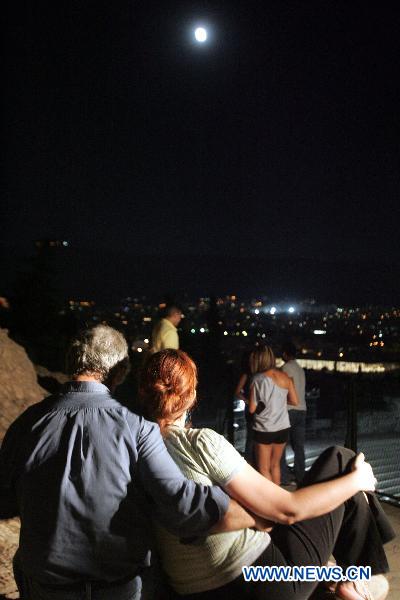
266,159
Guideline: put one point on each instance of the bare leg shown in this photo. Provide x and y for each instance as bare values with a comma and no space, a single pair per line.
276,455
263,458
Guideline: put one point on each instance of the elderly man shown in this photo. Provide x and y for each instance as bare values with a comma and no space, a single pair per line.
84,474
165,334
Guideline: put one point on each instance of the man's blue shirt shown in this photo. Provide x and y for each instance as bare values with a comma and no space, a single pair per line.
84,474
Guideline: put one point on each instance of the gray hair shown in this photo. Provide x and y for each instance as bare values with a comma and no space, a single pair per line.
98,350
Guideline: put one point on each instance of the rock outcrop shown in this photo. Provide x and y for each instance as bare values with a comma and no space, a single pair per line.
9,535
18,382
18,390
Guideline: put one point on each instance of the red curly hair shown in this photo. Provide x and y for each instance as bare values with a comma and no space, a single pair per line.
167,386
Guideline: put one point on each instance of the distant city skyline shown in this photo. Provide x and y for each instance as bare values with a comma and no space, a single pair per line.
232,324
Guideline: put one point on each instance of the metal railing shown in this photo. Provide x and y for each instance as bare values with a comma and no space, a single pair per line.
352,416
374,428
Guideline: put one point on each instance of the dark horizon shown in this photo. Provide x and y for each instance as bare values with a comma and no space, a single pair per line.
277,142
108,276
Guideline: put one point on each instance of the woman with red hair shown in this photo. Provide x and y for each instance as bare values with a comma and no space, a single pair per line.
307,525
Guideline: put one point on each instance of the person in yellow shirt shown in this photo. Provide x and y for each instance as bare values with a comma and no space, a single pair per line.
165,333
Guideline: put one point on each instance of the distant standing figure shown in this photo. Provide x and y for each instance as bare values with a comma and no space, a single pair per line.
270,391
242,392
165,334
297,414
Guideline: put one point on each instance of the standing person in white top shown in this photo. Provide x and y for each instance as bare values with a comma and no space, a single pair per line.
297,414
165,333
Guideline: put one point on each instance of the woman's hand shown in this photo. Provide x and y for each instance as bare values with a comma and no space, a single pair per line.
262,524
365,475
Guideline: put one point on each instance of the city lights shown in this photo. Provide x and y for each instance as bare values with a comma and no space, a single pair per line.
370,334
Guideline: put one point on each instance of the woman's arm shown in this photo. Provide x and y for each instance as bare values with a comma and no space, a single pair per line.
252,401
240,386
268,500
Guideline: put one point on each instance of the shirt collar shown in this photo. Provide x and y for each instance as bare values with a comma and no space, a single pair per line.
85,387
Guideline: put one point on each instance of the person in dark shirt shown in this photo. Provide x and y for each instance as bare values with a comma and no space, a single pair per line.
84,474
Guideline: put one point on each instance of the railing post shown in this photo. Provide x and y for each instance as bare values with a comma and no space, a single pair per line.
230,423
351,418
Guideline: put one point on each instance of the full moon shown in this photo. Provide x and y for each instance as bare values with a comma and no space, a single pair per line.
200,34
